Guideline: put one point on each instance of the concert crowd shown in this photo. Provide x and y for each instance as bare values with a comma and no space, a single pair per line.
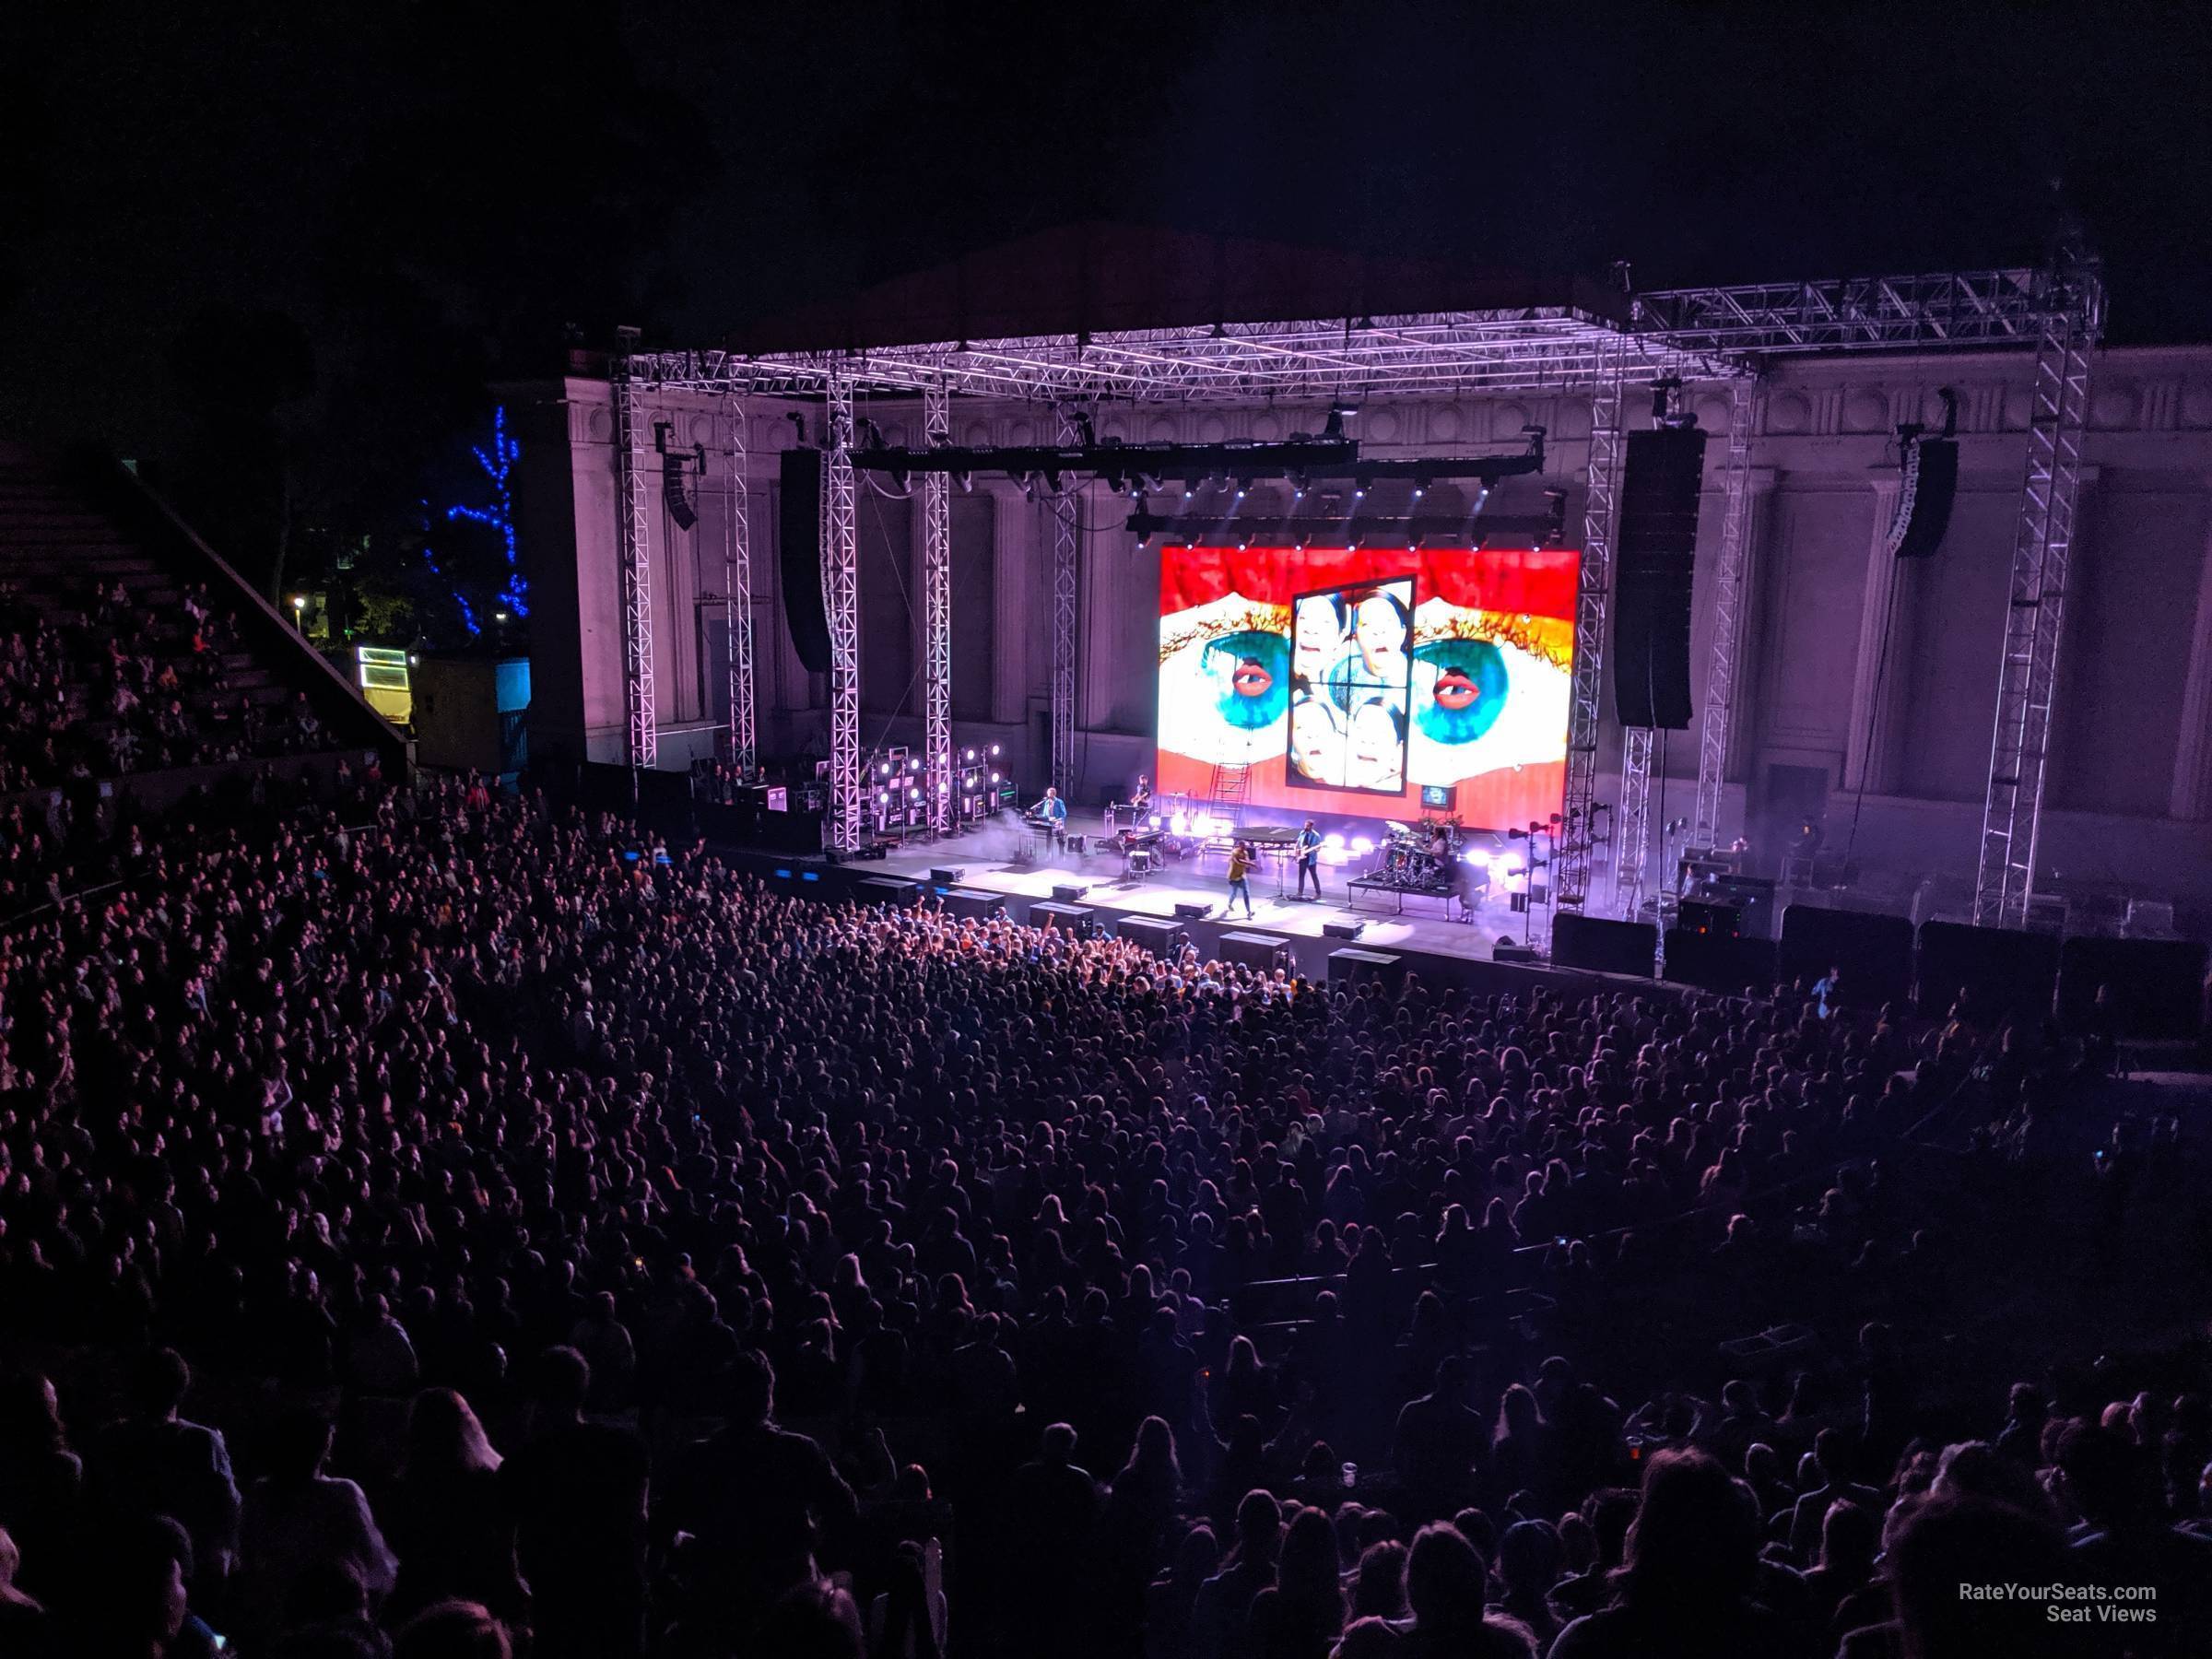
443,1224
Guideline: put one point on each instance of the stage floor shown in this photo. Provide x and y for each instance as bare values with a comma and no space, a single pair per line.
983,858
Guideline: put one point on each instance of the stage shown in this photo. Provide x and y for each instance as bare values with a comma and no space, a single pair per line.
989,860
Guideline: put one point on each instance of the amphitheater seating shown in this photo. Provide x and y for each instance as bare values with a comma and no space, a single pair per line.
129,650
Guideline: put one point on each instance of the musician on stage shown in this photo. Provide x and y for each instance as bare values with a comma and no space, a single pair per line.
1309,859
1241,859
1140,798
1052,813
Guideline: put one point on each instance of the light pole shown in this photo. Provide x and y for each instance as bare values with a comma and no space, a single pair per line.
300,613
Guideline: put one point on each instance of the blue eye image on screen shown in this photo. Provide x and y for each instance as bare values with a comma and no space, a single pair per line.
1469,691
1253,672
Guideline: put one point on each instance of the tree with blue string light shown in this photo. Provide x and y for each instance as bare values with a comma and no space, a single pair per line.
466,586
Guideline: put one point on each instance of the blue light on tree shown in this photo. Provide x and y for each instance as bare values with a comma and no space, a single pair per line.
430,557
496,462
499,514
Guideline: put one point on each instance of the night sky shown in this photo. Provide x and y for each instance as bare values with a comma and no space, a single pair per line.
357,212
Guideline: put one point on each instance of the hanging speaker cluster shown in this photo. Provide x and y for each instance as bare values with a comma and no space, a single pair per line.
1931,484
1654,558
672,491
799,549
680,509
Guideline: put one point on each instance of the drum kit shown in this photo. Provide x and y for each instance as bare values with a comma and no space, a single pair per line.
1421,858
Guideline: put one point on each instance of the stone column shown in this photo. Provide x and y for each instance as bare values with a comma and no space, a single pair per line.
1870,753
1743,727
2193,753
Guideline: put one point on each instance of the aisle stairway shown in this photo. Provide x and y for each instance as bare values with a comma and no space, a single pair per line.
69,525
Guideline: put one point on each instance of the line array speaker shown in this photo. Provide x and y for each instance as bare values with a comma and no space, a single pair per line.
1655,558
799,542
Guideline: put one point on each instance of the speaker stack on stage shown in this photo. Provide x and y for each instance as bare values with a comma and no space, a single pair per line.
1653,561
1255,950
1189,910
1348,968
1155,934
1081,920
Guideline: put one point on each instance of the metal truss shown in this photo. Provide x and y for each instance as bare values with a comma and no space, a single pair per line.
2028,673
1727,618
1532,349
1067,508
1694,334
1634,848
737,606
1862,313
936,617
635,535
1571,883
840,601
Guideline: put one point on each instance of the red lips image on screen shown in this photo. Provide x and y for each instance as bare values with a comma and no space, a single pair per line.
1456,690
1251,680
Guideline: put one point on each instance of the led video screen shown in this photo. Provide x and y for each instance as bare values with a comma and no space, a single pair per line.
1368,682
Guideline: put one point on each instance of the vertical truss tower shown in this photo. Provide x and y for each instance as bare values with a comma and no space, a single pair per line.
841,598
1633,851
636,548
937,616
737,606
2028,670
1067,507
1571,879
1719,712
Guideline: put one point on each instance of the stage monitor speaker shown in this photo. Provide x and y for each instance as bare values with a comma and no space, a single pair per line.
1190,910
1654,560
2157,985
1254,949
1875,952
1508,950
1341,930
1070,892
1602,946
799,540
2003,971
1155,934
1923,507
1348,968
947,875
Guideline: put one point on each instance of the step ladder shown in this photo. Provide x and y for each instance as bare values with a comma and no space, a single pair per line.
1227,791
